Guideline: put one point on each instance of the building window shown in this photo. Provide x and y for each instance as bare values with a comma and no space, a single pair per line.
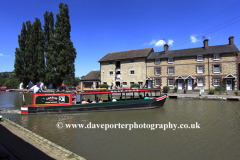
157,61
170,82
170,70
216,68
216,82
140,83
199,69
199,58
200,82
110,63
111,73
124,83
170,60
157,71
131,71
216,57
104,82
132,61
131,83
157,82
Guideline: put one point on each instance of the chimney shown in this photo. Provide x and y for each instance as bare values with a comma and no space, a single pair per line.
166,47
205,42
230,40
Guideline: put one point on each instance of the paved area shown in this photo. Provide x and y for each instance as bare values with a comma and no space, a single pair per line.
17,142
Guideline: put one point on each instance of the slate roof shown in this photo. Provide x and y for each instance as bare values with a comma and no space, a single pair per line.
194,51
92,76
127,54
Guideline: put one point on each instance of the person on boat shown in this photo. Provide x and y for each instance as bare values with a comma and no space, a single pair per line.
36,88
113,99
62,87
147,96
111,85
94,101
74,97
131,98
100,101
91,86
84,101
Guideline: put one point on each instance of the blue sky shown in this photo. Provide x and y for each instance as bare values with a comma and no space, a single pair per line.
103,26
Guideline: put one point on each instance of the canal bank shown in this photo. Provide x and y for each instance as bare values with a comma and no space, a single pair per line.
204,96
20,143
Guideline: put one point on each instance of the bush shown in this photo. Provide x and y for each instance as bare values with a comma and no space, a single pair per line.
211,91
135,85
12,82
166,89
219,88
175,89
104,86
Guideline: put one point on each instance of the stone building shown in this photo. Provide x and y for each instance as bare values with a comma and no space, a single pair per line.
91,79
195,68
191,69
124,68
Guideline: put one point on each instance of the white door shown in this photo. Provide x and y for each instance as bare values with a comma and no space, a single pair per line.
180,86
189,84
149,84
229,84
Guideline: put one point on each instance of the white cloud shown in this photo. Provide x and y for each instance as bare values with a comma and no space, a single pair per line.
193,39
158,43
170,42
4,55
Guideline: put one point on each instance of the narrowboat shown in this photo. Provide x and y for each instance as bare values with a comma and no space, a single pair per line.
62,102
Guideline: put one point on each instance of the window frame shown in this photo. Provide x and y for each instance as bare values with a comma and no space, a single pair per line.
140,82
217,82
156,82
215,58
104,82
133,72
170,61
199,60
198,84
155,70
124,82
110,62
172,70
215,67
169,83
110,73
198,70
132,61
157,62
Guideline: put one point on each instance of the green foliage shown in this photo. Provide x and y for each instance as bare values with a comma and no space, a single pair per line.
103,86
135,85
166,89
12,82
175,89
211,91
73,82
53,45
219,88
223,84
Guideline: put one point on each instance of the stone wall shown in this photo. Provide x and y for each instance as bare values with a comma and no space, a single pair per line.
185,66
139,67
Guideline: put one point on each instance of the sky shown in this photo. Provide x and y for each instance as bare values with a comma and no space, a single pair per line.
99,27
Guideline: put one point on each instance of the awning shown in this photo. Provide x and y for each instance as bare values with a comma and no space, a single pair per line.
179,77
189,77
230,76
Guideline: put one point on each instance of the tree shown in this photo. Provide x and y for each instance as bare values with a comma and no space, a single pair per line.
20,57
66,52
50,49
38,57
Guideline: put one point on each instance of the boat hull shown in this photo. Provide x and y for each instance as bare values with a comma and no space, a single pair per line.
105,106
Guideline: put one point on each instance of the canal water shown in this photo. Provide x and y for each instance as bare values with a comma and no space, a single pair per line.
217,138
